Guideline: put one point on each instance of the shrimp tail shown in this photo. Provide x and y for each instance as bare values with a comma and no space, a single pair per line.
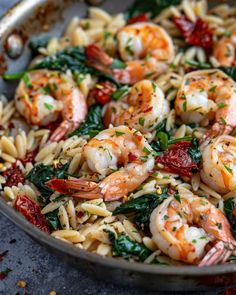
61,131
64,186
98,59
217,255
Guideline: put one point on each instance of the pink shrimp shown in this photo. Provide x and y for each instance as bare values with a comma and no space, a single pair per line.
182,228
225,50
106,153
146,48
43,95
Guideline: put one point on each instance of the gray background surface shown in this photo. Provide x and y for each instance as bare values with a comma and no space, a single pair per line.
42,271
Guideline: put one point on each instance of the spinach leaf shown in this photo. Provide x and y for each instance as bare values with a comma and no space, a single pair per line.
74,59
37,43
230,209
152,6
142,208
230,71
194,151
93,123
123,246
53,220
43,173
161,135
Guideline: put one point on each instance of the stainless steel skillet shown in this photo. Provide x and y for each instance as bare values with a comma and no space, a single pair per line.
48,17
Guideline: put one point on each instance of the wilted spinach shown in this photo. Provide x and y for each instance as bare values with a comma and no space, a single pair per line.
230,211
230,71
74,59
161,140
142,208
152,6
123,246
93,123
194,151
37,43
43,173
53,220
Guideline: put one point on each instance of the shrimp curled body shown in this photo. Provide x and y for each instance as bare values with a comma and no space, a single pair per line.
146,48
44,95
143,108
208,94
225,50
219,164
122,156
182,229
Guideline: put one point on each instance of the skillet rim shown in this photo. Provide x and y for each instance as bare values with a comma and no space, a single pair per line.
60,246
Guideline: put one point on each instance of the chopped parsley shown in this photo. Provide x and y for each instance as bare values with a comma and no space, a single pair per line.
141,121
213,89
219,225
146,151
185,106
26,80
228,168
120,92
119,133
177,197
48,106
221,105
223,122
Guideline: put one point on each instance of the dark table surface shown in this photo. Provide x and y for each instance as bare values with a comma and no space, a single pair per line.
42,271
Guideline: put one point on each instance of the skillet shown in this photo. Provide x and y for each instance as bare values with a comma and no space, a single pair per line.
49,17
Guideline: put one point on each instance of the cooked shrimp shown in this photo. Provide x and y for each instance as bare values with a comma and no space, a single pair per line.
219,164
208,94
225,50
143,108
122,156
183,227
43,95
146,48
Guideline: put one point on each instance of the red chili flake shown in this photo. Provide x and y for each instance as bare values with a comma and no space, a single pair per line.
177,160
80,214
197,34
141,18
4,274
13,176
30,157
132,157
102,92
3,254
32,212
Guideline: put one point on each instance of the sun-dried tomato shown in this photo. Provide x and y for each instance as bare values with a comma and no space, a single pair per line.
177,159
102,92
32,212
13,176
141,18
197,34
30,157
